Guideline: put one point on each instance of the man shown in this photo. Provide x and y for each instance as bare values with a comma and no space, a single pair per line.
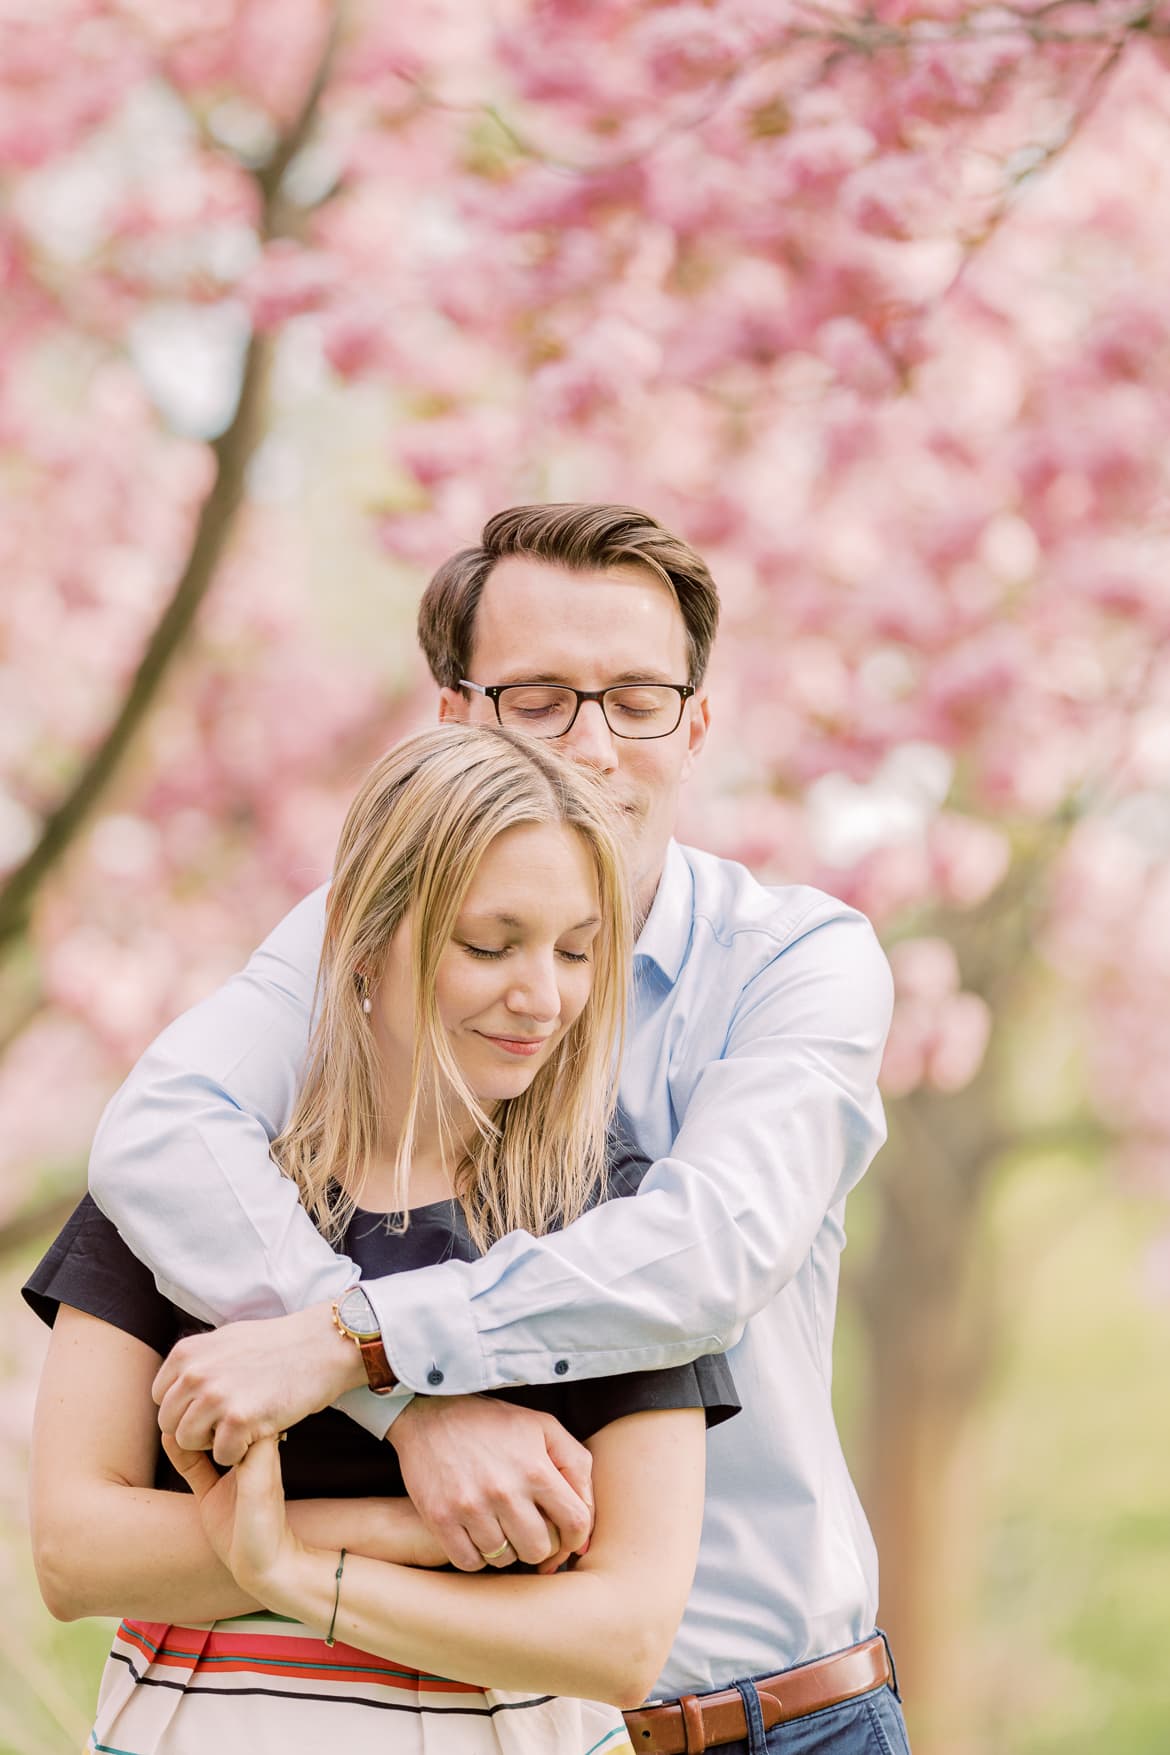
758,1019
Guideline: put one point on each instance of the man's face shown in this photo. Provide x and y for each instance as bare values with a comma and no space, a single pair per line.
541,623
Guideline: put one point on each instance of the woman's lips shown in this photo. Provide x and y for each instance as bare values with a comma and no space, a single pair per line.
518,1045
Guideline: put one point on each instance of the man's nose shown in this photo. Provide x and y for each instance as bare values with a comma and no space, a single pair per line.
589,740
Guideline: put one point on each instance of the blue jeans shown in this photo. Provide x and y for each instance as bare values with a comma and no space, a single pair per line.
870,1724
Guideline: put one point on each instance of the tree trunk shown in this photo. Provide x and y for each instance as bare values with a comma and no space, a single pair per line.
233,452
929,1318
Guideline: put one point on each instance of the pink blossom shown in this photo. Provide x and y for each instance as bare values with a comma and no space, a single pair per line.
856,357
970,858
939,1035
286,283
691,45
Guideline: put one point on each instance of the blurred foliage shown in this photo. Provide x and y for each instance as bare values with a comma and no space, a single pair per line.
868,302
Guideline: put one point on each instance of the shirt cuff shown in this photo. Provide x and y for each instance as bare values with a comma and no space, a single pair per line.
428,1332
377,1413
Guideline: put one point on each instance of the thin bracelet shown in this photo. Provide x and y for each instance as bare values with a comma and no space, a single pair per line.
336,1597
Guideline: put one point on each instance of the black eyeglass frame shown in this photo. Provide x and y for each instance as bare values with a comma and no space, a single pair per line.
493,691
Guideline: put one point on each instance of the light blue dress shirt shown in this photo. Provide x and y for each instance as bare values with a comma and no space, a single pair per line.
758,1021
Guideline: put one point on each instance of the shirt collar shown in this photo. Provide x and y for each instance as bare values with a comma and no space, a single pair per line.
666,935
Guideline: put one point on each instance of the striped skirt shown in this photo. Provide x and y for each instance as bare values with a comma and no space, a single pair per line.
260,1685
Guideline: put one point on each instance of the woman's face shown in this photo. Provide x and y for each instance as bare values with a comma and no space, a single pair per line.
518,969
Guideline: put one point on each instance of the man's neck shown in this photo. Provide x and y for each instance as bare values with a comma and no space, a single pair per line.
644,897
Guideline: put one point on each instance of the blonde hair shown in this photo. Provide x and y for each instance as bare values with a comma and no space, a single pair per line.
413,839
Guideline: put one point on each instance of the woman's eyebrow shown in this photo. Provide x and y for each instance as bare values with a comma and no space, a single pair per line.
511,920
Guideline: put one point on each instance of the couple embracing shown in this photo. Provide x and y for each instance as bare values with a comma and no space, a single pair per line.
524,1152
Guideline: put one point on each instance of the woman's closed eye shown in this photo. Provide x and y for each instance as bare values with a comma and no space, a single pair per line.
494,955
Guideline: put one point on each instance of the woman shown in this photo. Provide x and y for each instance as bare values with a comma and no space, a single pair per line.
460,1084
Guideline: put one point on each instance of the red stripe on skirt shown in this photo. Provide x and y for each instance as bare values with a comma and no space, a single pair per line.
230,1653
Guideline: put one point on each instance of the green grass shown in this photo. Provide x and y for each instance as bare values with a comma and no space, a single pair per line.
1073,1607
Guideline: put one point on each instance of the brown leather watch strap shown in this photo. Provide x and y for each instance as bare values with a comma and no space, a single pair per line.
380,1374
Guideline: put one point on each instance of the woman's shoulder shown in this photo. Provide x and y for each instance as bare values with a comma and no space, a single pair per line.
89,1267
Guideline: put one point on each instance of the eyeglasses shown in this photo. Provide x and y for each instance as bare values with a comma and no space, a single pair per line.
550,709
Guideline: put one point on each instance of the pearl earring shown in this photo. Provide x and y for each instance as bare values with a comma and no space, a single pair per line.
362,983
367,1005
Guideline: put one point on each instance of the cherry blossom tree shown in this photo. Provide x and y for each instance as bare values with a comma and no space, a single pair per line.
866,300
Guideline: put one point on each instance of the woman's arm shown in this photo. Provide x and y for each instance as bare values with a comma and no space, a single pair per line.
601,1631
105,1541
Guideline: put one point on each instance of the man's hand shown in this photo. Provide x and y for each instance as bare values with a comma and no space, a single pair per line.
482,1472
248,1380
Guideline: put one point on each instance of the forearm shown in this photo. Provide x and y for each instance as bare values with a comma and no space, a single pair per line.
380,1529
581,1633
598,1632
764,1144
532,1302
142,1552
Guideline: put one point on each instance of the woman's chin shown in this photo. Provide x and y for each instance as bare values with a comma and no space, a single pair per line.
504,1086
497,1084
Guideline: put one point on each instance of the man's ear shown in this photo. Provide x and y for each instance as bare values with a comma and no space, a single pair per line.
454,707
698,725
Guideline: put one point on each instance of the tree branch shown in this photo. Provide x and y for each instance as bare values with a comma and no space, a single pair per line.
840,36
233,451
1041,159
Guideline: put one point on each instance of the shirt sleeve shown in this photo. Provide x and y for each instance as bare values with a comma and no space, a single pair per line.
181,1163
706,1383
772,1136
88,1267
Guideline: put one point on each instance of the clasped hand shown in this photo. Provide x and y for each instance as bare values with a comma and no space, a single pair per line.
481,1472
243,1512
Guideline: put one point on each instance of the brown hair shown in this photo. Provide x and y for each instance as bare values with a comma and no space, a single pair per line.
579,538
415,834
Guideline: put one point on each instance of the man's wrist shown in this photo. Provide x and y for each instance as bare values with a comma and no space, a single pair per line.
355,1318
340,1358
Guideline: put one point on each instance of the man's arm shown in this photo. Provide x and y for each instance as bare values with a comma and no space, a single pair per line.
180,1161
779,1126
776,1131
774,1134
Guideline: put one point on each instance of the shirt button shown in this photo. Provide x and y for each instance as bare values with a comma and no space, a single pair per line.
561,1366
434,1375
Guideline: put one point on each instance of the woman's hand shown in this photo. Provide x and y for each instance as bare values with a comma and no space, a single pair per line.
243,1512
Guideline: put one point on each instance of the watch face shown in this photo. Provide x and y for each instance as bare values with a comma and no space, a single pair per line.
357,1313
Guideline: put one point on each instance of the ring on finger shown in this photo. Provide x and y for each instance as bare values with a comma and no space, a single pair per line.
496,1553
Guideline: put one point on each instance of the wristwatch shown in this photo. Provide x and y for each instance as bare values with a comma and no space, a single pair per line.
353,1315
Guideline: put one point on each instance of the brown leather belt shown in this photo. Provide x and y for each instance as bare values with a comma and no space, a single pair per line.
703,1721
